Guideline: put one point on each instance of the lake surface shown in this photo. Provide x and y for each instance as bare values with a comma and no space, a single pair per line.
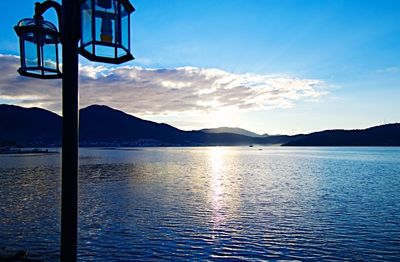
209,203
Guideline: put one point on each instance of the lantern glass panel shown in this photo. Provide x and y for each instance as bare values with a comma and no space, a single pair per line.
121,52
49,57
125,26
105,51
87,22
31,54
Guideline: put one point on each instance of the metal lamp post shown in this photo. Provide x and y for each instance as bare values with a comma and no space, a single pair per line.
103,29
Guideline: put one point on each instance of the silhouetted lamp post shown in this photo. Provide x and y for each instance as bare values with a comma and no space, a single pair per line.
102,30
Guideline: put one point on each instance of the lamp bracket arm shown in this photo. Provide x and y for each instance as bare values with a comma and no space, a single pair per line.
41,8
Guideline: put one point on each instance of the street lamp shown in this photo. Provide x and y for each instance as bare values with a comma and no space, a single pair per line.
102,28
39,41
105,31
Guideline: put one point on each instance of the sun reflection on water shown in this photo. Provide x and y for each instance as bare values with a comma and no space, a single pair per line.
218,186
217,163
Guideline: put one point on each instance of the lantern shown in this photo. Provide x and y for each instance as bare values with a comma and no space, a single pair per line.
105,30
38,41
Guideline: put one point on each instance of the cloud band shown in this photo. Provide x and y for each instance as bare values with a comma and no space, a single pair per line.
149,91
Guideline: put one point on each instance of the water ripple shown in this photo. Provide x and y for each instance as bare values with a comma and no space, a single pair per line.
210,204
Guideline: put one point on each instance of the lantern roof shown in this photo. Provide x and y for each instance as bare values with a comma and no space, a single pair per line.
35,24
128,6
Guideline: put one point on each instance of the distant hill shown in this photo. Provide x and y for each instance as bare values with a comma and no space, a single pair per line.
232,130
20,125
104,126
385,135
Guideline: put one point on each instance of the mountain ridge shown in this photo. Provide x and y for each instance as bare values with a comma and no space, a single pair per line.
382,135
104,126
232,130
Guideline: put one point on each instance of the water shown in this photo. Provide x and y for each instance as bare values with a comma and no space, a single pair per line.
233,203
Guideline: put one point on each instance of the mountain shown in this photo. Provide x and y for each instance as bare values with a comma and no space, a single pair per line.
232,130
28,125
104,126
384,135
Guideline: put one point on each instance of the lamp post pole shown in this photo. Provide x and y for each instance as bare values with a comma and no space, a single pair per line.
69,178
115,39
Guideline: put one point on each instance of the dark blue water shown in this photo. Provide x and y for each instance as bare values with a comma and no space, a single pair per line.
210,203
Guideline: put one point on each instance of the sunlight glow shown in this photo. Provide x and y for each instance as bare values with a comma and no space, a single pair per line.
221,118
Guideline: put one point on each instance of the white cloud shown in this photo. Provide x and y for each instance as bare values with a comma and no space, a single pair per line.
392,69
149,91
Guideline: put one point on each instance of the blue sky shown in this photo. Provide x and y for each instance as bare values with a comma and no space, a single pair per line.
343,57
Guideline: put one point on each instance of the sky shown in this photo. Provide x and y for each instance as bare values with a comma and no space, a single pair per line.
269,66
